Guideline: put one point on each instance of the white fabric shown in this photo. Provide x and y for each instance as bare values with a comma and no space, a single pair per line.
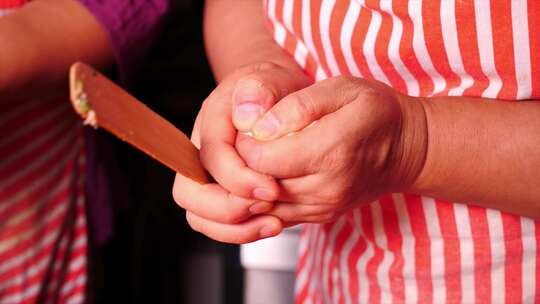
276,253
5,11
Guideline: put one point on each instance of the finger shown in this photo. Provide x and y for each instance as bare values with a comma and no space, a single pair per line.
283,159
213,202
299,109
230,171
258,91
251,230
301,154
291,213
219,157
328,144
304,190
291,224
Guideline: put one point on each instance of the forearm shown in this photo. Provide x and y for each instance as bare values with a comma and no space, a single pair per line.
235,36
39,43
482,152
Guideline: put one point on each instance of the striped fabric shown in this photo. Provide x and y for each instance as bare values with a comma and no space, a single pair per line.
406,248
43,233
11,4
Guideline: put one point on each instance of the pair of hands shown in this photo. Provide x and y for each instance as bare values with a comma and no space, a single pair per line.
292,170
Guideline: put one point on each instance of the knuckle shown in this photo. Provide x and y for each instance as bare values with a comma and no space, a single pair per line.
288,215
303,106
254,158
232,217
257,67
206,103
208,152
237,211
252,79
239,239
350,88
320,218
354,82
268,88
192,222
335,196
345,79
339,157
204,154
218,95
333,160
178,194
265,66
346,83
327,217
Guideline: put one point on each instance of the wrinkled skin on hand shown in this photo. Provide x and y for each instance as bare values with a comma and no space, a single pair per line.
232,209
313,153
353,154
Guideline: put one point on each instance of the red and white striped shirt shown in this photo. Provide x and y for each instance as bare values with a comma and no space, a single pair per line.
407,248
43,232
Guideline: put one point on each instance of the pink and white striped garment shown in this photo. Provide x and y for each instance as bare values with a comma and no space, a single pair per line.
43,231
405,248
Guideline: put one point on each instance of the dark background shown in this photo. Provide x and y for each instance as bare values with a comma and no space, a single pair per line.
154,257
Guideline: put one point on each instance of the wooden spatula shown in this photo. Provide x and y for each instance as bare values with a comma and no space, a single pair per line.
103,104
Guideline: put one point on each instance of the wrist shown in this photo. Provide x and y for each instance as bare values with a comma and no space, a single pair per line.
412,143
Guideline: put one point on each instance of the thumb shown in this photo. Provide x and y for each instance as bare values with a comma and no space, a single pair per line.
259,90
302,108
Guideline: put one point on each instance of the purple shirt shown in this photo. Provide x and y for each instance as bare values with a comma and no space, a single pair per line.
132,26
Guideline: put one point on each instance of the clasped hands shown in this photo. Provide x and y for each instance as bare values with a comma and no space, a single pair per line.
274,167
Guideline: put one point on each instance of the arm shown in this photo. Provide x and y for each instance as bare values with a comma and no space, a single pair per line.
235,36
482,152
372,141
479,151
39,43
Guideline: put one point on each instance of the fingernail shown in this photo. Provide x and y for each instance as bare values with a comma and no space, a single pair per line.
249,90
266,127
263,194
267,231
247,113
260,207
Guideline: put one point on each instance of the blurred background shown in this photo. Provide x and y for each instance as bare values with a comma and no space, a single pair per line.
154,257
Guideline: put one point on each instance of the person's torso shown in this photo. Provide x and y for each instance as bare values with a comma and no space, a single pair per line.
406,248
43,236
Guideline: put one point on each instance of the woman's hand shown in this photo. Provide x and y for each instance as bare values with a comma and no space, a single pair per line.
225,210
368,140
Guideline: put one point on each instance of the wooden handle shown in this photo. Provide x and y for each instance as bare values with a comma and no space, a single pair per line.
104,104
